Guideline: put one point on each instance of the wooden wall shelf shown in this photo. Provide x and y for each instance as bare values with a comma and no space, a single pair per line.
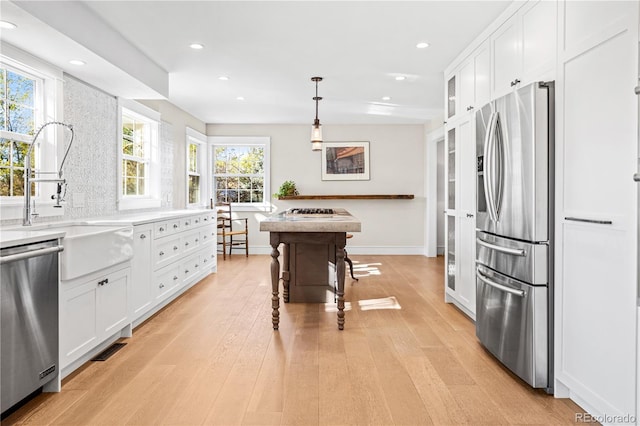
349,197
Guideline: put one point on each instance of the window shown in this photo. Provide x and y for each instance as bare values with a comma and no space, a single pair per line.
17,121
139,171
196,168
30,95
241,171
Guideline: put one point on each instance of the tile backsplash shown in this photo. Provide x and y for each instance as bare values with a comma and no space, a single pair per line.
91,167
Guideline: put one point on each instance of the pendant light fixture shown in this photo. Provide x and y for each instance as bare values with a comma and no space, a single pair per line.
316,130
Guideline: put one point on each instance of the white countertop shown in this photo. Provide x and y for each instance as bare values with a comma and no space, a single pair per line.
340,221
146,217
20,235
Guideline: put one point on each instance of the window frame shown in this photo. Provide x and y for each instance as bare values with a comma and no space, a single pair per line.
193,137
48,106
152,197
262,141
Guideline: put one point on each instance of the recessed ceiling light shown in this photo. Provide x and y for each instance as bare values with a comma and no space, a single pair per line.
77,62
8,25
223,78
422,45
196,46
240,98
386,98
400,77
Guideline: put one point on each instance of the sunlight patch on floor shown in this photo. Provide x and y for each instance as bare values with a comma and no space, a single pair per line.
384,303
333,307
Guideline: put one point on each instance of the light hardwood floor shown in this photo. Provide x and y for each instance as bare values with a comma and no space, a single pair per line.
211,357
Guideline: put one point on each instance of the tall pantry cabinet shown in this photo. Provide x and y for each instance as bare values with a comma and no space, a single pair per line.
597,207
467,87
590,49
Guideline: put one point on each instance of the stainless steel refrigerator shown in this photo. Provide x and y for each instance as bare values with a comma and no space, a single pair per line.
514,231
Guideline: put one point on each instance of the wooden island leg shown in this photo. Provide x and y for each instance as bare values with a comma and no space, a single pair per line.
285,273
275,271
341,242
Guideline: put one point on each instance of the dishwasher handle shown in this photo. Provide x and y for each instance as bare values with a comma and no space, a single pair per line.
30,254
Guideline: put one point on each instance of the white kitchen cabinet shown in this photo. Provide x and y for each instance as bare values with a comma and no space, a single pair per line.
523,49
473,79
482,74
597,207
460,283
93,308
141,291
467,86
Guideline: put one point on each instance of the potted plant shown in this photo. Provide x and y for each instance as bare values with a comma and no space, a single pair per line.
287,188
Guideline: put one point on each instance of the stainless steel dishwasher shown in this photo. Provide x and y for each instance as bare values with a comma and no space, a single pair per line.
29,319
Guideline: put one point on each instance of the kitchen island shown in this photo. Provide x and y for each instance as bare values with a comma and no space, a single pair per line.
313,255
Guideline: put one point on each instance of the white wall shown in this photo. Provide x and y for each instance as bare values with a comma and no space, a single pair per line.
397,167
180,120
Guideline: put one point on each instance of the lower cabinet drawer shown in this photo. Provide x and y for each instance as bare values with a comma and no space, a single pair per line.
167,280
167,250
191,267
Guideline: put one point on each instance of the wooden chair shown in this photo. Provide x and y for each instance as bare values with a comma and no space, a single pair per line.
227,235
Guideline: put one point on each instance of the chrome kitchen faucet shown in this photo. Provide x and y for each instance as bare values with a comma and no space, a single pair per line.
26,221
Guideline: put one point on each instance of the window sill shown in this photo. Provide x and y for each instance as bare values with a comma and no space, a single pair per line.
139,203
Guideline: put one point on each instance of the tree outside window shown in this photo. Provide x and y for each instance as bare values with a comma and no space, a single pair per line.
136,136
17,123
194,173
239,174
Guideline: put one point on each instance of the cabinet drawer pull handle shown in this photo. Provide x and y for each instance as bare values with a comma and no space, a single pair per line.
197,240
142,237
204,237
469,215
161,229
637,90
580,219
186,271
197,221
186,224
175,226
175,277
187,243
205,260
161,253
196,265
514,82
636,177
175,248
161,285
206,219
469,108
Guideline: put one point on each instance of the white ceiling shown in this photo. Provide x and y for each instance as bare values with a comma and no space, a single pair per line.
269,50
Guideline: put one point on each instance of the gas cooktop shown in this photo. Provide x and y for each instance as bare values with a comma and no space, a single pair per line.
310,211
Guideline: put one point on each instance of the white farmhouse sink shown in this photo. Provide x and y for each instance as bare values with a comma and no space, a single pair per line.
90,248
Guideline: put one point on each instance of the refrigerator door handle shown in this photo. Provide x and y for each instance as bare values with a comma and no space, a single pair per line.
488,174
487,281
498,147
506,250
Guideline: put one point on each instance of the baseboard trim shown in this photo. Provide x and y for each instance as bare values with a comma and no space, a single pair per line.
360,250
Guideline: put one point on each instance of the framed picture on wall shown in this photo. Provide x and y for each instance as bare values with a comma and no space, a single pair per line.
345,161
